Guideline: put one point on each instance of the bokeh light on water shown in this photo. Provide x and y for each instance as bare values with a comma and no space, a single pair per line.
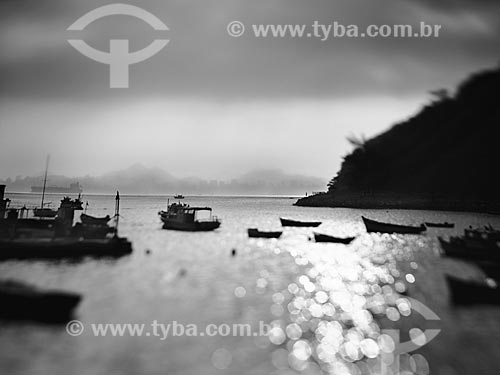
331,318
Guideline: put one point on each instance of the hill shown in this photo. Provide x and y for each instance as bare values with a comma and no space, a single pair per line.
443,158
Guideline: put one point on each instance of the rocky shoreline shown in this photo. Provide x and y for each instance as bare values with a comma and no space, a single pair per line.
386,201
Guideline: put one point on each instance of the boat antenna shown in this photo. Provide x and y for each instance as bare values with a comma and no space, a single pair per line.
45,180
117,211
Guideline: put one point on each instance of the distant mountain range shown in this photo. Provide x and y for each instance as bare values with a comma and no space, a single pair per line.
138,179
446,157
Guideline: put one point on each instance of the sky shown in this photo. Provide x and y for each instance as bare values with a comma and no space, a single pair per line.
215,106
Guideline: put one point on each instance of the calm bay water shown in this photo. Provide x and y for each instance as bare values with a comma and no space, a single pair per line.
328,303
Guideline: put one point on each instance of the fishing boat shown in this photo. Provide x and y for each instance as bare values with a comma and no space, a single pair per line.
319,237
255,233
58,238
92,220
380,227
25,302
296,223
186,218
19,225
439,225
457,247
178,196
472,292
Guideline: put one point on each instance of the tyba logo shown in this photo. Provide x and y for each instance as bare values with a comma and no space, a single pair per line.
118,58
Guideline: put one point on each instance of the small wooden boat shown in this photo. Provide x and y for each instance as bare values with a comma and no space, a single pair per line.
255,233
472,292
457,247
296,223
92,220
380,227
25,302
439,225
63,248
319,237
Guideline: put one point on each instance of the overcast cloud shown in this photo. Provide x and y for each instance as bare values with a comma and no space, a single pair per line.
243,102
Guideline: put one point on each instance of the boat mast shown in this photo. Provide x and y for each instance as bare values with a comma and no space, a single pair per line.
117,211
45,180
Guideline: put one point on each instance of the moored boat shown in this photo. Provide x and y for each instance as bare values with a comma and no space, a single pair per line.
457,247
178,196
439,225
255,233
93,227
319,237
184,217
58,238
25,302
472,292
380,227
92,220
297,223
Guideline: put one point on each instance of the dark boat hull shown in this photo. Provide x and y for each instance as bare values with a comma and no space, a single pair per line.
196,226
318,237
296,223
458,249
62,248
379,227
440,225
23,302
471,292
255,233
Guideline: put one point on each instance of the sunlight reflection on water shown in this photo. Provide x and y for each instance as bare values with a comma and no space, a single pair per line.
328,320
